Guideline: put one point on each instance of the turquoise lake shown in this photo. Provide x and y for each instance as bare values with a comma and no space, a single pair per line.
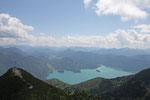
86,74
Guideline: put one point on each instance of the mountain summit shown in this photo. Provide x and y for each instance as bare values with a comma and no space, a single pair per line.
16,72
17,84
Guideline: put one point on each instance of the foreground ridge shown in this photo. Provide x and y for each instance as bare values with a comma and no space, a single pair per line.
18,84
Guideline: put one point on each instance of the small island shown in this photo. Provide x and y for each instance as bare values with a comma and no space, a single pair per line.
61,71
98,70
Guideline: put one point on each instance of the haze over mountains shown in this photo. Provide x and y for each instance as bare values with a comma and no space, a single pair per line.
16,57
40,61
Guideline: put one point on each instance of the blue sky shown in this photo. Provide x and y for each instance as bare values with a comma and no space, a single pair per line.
60,18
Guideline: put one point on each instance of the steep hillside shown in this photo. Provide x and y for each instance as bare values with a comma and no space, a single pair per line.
137,87
17,84
57,83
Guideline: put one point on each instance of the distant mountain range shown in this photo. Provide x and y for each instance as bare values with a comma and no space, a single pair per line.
74,60
15,57
133,87
40,61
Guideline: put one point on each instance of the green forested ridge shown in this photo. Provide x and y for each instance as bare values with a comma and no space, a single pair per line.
21,85
57,83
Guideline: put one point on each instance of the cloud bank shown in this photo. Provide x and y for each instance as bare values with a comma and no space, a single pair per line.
118,39
14,32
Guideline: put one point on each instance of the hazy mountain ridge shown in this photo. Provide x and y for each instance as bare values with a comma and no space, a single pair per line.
73,60
12,50
123,51
35,65
38,60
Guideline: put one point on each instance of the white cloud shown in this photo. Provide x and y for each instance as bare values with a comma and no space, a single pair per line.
13,32
42,33
11,27
87,3
118,39
144,28
126,9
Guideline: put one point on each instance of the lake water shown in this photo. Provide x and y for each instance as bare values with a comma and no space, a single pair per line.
86,74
